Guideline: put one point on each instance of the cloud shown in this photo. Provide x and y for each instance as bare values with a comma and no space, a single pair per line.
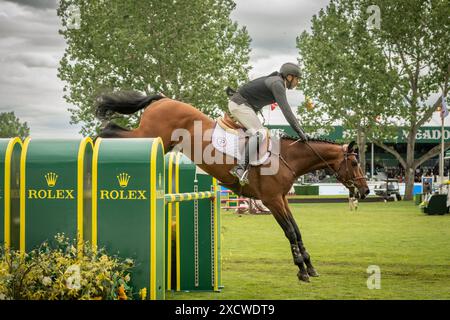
36,29
32,60
30,50
38,4
274,25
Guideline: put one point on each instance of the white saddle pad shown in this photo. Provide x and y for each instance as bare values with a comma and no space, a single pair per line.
233,145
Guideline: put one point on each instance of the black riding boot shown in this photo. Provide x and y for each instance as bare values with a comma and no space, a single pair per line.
241,170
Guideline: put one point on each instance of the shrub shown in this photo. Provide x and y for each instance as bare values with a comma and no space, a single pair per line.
54,271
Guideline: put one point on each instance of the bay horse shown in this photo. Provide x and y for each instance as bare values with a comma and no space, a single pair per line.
163,115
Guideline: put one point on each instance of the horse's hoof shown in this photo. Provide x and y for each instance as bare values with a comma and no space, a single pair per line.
312,272
303,276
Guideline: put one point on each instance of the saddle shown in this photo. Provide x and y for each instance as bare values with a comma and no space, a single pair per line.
229,137
228,123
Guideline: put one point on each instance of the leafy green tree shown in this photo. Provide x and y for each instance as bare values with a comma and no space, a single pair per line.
395,68
10,126
188,50
347,88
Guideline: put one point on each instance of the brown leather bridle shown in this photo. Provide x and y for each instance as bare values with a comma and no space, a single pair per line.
349,183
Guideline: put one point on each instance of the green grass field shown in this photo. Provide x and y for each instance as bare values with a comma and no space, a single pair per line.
411,249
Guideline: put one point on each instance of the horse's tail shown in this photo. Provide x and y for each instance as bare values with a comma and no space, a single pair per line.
124,102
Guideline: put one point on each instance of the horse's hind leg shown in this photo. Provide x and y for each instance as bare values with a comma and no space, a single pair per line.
276,206
306,257
112,130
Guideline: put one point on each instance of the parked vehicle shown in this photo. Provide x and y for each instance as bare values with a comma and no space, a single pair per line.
387,188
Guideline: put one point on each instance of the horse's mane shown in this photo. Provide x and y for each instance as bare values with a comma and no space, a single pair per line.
310,139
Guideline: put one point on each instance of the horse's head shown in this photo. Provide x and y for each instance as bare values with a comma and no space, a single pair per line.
350,174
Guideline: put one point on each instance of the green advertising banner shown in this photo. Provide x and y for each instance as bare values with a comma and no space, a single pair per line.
424,134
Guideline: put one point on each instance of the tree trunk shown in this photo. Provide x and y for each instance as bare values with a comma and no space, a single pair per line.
410,168
362,141
409,183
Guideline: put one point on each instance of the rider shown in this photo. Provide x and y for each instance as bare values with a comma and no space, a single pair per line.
252,97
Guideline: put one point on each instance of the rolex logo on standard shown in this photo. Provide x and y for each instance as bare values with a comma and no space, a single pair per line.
121,194
123,179
51,178
53,193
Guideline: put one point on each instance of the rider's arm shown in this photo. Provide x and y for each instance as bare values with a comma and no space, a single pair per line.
279,92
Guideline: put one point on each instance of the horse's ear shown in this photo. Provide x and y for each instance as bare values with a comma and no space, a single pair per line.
351,146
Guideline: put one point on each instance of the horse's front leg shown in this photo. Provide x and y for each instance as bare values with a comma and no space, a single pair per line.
306,257
277,208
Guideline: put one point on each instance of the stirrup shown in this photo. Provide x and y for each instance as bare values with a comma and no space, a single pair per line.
242,177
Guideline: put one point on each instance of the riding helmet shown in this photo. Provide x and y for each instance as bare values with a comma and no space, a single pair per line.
290,68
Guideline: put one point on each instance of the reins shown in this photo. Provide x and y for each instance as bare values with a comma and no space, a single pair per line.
349,183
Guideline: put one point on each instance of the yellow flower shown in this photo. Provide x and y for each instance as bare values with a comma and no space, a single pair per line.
46,281
122,294
143,293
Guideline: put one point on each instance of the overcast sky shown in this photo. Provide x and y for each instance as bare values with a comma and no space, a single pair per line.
30,50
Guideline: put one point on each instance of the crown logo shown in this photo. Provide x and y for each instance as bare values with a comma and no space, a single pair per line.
123,179
51,178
